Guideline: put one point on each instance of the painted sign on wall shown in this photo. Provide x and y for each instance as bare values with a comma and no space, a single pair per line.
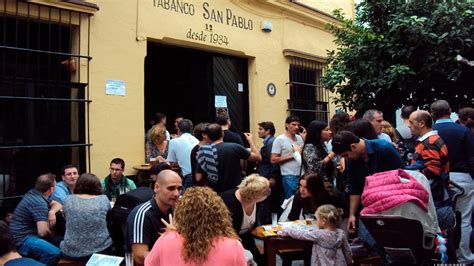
211,15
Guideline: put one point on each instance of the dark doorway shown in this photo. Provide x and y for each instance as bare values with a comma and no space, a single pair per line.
184,82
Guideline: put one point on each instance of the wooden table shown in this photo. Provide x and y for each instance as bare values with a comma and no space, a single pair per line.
143,167
274,245
143,172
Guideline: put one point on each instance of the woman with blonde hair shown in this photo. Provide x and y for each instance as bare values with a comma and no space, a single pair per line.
242,203
200,233
157,146
389,130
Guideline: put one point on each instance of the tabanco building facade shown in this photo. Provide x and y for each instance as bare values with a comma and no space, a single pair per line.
80,79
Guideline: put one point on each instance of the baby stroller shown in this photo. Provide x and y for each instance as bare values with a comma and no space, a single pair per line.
407,232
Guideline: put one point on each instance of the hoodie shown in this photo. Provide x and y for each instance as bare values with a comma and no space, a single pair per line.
329,247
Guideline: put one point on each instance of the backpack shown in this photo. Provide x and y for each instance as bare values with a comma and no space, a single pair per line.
126,202
119,213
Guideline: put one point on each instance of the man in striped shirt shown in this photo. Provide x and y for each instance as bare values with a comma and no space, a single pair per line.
144,224
431,159
33,221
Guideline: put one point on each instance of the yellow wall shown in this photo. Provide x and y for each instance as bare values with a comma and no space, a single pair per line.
116,122
328,6
119,33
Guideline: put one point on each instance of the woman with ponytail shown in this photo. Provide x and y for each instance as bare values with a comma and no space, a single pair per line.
330,245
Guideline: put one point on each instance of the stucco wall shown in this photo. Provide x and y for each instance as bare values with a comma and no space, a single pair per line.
116,122
120,30
328,6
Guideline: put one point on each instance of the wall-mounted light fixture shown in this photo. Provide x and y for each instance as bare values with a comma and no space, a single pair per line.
266,26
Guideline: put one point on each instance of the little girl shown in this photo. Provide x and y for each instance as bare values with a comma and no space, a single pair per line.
330,244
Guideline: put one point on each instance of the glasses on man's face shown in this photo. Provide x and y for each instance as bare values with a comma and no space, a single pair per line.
115,169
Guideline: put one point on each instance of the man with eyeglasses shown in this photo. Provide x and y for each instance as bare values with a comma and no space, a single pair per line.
116,183
144,223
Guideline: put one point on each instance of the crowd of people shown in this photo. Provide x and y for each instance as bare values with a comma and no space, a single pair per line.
206,200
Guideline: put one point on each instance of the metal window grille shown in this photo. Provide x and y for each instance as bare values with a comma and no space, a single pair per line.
308,100
44,99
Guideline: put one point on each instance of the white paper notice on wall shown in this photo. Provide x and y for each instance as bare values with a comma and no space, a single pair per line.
115,87
240,87
220,101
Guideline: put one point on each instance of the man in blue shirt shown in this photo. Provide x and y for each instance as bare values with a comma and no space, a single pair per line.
460,143
66,187
363,158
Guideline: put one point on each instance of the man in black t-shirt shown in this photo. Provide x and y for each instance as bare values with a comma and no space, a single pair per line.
229,136
144,223
219,162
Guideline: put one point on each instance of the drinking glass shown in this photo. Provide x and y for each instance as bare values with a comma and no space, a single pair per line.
274,219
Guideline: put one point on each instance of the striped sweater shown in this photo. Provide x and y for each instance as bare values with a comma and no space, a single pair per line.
431,158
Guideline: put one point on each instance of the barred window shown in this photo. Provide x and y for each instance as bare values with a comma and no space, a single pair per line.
44,67
308,100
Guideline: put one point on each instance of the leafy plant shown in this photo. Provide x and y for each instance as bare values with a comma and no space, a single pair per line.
402,52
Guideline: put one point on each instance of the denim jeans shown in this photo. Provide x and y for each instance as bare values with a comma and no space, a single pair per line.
365,235
369,239
290,185
40,249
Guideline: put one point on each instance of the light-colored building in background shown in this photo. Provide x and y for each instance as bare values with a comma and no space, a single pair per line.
264,57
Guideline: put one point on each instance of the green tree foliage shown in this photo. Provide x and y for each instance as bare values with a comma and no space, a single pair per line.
402,52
